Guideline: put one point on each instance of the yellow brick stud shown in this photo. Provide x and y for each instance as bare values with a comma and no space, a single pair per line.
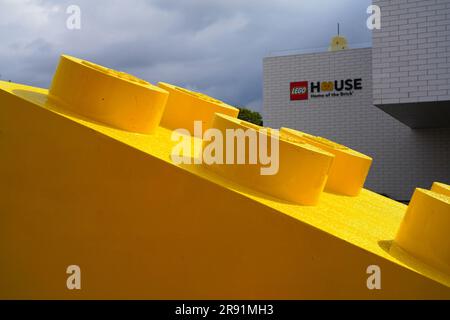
441,188
186,106
111,97
424,231
349,169
302,168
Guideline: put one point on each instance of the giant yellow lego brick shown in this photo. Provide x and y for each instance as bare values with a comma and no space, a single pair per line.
74,191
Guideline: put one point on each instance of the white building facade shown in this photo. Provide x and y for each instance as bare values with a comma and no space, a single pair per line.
390,101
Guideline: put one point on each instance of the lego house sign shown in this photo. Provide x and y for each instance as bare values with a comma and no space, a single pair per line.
305,90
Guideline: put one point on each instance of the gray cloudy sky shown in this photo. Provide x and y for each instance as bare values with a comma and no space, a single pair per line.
212,46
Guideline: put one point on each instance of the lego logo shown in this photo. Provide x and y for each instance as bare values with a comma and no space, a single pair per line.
299,90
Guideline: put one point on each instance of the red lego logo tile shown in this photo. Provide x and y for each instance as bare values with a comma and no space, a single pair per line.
299,90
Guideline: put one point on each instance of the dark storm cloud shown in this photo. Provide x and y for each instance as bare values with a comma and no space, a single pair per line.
214,46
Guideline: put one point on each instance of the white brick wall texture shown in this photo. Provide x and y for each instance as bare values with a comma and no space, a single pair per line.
403,158
411,51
